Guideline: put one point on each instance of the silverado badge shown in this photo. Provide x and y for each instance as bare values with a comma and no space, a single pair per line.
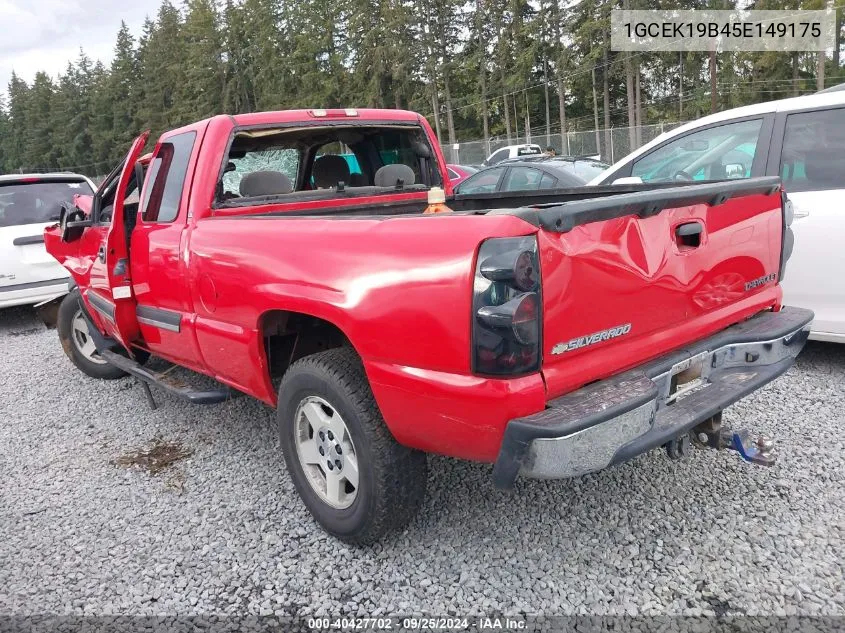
754,283
591,339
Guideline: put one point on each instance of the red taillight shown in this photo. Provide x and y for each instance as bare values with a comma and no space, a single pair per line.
507,307
525,271
526,325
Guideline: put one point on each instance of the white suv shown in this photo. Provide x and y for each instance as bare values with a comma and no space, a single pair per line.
802,140
28,203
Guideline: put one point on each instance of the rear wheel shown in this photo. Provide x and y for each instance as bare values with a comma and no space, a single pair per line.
357,481
77,341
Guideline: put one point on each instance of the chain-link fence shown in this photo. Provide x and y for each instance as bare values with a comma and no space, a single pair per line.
610,145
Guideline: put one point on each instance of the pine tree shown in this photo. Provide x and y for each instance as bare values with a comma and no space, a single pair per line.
238,92
7,160
124,89
201,94
263,55
39,152
161,60
19,94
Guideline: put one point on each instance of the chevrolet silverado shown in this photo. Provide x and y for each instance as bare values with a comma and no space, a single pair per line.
551,333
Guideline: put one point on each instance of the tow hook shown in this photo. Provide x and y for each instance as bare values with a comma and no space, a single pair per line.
756,450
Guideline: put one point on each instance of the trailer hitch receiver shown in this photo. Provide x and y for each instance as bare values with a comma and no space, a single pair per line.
756,450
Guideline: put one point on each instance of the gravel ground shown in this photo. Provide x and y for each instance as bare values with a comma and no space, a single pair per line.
222,530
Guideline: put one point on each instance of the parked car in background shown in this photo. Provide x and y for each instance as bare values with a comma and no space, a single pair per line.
802,140
586,167
519,176
513,151
459,173
28,203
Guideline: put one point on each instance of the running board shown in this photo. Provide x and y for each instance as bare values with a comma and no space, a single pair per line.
168,383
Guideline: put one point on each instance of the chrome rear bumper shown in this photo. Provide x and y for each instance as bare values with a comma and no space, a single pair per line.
616,419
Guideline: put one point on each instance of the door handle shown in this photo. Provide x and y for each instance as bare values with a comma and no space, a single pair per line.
688,235
101,254
690,228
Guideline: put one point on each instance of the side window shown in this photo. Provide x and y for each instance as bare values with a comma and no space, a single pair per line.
482,182
452,174
522,179
717,153
498,157
167,178
812,157
548,182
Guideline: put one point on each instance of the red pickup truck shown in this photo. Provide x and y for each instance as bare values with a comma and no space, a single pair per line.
550,332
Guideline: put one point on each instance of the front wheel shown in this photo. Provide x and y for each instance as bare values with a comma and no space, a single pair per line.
356,480
77,342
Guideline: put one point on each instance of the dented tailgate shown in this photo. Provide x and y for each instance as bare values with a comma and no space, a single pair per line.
628,278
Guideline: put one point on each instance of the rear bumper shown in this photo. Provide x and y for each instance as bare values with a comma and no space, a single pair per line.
613,420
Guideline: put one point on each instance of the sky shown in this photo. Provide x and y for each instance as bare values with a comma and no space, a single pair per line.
46,34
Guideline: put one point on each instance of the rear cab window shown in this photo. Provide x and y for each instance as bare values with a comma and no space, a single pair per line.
288,164
34,201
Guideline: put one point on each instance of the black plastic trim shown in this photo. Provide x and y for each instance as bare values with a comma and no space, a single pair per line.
33,284
326,194
159,317
101,305
565,217
30,239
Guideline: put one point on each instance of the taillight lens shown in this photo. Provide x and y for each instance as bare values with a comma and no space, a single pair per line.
507,307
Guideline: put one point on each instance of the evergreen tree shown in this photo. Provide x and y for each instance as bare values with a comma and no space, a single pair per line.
201,94
124,89
40,151
161,57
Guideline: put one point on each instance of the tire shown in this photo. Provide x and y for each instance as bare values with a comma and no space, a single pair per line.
331,387
77,343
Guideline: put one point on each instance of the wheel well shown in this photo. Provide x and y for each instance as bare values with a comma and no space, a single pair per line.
289,336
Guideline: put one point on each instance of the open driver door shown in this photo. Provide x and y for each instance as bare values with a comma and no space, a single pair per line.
110,290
